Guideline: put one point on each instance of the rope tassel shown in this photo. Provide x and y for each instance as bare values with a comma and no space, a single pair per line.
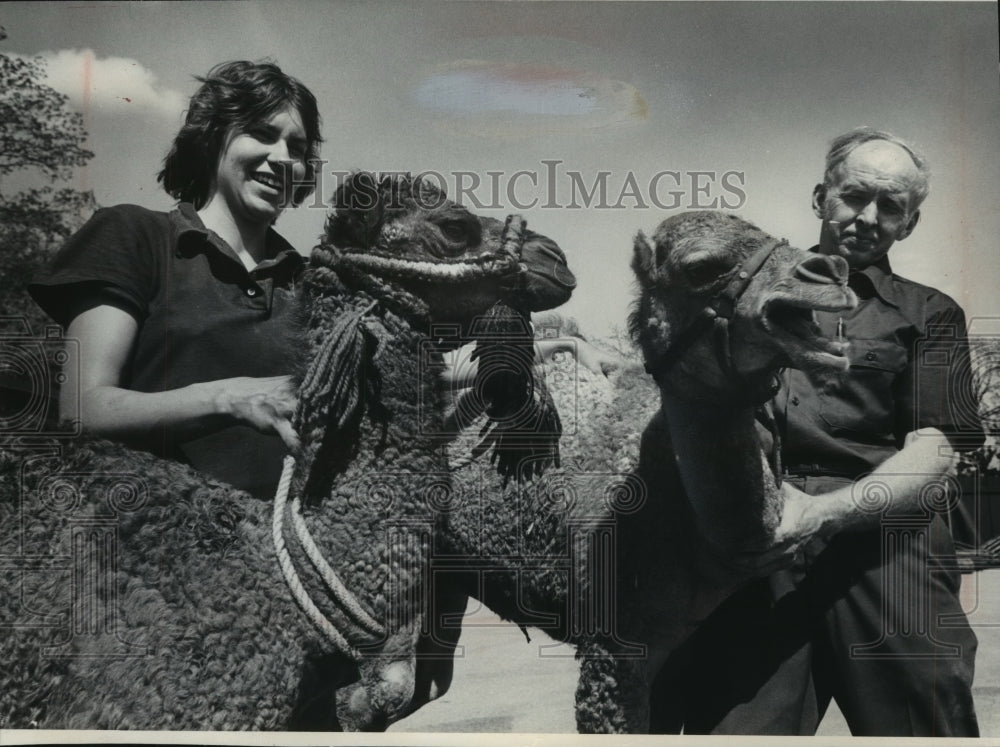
330,395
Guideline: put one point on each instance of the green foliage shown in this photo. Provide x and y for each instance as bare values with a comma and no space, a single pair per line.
38,131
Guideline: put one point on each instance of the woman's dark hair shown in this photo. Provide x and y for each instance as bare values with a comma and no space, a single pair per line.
233,97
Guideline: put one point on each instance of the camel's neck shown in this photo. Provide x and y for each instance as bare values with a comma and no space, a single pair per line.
729,486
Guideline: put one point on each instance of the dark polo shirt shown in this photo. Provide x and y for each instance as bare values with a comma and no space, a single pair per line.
909,369
202,316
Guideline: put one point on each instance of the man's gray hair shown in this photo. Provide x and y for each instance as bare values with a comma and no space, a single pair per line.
843,145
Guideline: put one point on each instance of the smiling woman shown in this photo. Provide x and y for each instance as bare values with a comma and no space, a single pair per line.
250,181
183,318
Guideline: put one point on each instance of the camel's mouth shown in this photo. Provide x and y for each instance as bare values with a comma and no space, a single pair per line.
792,323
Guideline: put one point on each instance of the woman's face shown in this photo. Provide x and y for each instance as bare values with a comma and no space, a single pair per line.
260,168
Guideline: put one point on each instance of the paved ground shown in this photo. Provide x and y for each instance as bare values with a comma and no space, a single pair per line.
504,684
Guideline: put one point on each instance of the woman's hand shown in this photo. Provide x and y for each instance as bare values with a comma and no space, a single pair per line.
106,335
266,404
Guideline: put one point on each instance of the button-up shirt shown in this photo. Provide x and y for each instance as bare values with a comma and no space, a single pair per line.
202,316
909,369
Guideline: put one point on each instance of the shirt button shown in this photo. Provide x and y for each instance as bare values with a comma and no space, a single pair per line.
251,292
870,356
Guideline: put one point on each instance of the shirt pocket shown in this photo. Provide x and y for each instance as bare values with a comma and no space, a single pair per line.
862,400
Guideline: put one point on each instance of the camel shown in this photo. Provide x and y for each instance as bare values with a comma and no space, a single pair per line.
624,562
140,594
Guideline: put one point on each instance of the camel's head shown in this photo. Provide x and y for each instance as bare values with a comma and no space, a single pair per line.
405,232
419,255
723,306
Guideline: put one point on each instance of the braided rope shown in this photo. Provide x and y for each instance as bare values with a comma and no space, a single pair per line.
342,278
505,261
347,601
330,378
512,238
456,272
299,593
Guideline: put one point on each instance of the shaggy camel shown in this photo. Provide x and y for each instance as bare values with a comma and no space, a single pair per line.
625,564
139,594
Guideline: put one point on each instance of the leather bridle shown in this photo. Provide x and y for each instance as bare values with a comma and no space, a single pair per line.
714,318
717,314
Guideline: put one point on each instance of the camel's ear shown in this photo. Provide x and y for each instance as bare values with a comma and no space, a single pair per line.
427,194
358,209
643,260
360,192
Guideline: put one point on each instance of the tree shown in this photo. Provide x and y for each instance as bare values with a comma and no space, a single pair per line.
37,128
33,224
40,132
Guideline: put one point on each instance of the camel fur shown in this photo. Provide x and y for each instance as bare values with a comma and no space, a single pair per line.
623,556
140,594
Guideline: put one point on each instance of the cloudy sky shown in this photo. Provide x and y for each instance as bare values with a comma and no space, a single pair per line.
527,106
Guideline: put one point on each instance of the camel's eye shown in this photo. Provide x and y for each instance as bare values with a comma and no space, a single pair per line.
460,232
454,230
701,271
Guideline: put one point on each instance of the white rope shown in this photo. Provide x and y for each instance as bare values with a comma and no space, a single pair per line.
453,272
344,597
288,570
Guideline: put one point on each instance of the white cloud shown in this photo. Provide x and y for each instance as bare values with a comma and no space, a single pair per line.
109,84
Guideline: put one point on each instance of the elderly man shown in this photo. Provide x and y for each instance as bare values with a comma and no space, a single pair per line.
869,615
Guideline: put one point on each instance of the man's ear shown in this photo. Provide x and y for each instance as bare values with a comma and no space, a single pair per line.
819,199
910,225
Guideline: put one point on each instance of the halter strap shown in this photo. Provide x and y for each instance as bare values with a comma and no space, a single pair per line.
717,313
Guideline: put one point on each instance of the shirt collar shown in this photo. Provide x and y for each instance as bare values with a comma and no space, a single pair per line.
190,234
878,277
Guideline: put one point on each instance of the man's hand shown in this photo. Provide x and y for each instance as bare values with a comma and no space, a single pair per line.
799,538
590,357
596,360
808,522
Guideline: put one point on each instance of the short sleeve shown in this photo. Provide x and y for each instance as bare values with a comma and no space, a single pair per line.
114,258
940,380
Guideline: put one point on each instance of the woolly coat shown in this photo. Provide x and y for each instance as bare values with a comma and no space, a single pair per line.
151,596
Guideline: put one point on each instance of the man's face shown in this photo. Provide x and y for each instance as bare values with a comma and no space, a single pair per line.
870,204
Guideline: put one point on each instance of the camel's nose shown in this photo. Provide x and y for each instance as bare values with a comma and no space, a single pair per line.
822,268
547,281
